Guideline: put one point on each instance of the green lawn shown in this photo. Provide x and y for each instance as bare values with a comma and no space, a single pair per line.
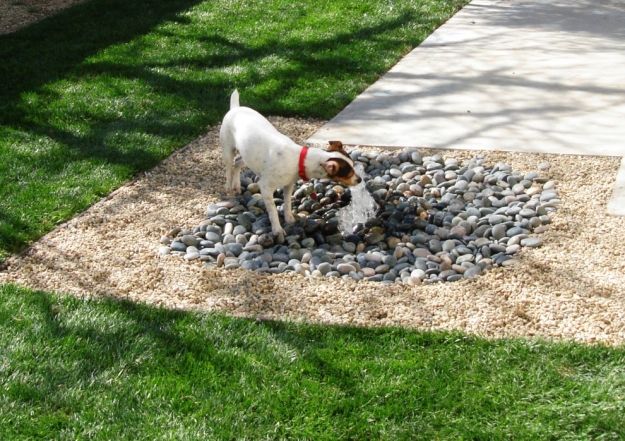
108,88
73,369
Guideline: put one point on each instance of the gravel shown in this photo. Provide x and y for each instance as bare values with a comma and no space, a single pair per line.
423,217
15,15
569,288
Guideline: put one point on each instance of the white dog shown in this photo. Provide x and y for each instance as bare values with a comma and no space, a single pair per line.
276,159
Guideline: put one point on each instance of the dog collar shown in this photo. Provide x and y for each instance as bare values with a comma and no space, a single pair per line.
302,157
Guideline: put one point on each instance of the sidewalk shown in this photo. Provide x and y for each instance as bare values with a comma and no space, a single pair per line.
524,76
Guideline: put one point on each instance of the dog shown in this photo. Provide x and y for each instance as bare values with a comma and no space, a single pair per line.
247,137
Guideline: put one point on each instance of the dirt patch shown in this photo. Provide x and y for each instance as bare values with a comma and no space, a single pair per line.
15,14
573,287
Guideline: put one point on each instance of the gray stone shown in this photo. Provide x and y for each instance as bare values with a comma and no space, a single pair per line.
473,272
265,240
382,268
515,231
212,236
527,212
324,268
178,246
499,231
345,268
234,248
532,242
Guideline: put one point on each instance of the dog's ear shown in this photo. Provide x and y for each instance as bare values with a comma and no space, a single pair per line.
336,146
331,167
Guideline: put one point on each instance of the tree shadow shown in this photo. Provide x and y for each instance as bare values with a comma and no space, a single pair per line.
47,50
62,48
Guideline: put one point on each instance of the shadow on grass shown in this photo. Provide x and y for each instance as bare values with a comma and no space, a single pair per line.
161,108
69,363
47,50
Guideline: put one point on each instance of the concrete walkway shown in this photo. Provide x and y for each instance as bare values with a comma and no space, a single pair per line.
519,75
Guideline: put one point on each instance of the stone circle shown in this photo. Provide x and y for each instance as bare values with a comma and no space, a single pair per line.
439,220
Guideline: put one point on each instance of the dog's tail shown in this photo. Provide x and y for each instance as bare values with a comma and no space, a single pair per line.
234,99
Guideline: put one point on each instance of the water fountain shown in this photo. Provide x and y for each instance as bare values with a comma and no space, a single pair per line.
361,208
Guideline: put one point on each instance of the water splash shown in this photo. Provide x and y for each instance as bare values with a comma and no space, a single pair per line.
361,208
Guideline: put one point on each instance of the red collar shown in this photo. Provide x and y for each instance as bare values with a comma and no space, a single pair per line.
302,157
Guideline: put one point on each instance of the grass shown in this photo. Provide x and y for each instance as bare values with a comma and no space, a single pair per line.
108,88
76,369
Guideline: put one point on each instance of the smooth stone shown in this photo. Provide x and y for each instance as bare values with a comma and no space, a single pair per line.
515,231
239,229
449,245
457,232
509,262
531,242
473,272
165,240
382,268
435,246
235,248
368,272
345,268
265,240
228,238
212,236
350,247
231,263
499,231
465,258
374,238
280,257
527,212
513,249
421,252
495,219
190,240
548,195
374,257
392,242
178,246
324,268
418,274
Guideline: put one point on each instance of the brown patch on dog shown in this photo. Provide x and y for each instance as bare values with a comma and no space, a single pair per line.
341,171
336,146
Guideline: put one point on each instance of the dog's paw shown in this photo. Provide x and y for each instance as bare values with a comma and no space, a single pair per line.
289,218
279,234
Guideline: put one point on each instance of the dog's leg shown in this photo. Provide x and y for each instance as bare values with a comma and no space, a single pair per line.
267,193
227,153
236,175
286,208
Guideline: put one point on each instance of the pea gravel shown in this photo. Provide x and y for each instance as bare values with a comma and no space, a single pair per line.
571,287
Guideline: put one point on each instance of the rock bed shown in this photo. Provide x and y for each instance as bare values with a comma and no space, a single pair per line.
438,220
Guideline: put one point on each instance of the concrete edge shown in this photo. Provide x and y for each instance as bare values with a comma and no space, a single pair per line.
616,205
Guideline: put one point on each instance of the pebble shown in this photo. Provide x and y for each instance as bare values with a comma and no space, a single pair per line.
531,242
499,231
345,268
324,268
178,246
439,220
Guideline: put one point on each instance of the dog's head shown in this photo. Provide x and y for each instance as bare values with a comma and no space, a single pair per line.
340,166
